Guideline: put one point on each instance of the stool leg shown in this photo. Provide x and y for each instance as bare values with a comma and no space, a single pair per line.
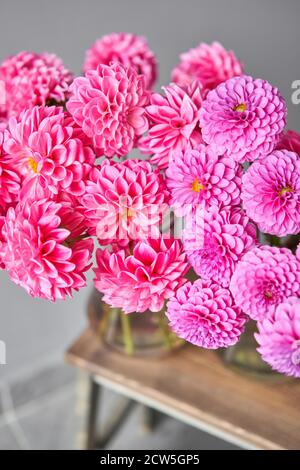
93,408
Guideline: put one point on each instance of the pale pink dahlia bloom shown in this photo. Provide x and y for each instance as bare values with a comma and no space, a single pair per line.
109,104
200,176
144,279
9,182
210,64
243,118
289,140
279,338
216,239
204,314
124,201
44,146
127,49
271,193
174,123
265,277
33,79
45,251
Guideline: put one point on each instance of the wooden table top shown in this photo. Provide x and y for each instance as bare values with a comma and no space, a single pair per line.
195,383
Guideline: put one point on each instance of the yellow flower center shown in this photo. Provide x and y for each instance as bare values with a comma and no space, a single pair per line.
268,294
285,190
197,187
128,213
33,164
241,108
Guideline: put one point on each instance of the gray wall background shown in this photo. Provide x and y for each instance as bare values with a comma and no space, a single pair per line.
265,35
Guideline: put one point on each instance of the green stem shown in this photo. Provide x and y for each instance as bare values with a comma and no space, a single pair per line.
165,330
127,333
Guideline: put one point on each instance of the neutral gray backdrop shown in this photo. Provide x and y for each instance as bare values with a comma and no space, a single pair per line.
265,35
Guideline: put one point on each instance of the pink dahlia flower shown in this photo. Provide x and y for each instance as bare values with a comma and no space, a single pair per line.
109,104
174,123
243,118
200,176
298,252
124,201
143,280
127,49
216,239
289,140
33,79
43,145
271,193
2,242
210,64
204,314
45,251
265,277
279,338
9,182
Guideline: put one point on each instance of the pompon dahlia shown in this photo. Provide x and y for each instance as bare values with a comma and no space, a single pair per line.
124,201
210,64
44,249
289,140
109,104
271,193
143,280
279,338
127,49
216,239
174,123
200,176
33,79
9,182
243,118
204,314
265,277
43,144
298,252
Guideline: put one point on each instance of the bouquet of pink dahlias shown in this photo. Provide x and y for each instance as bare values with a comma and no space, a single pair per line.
214,196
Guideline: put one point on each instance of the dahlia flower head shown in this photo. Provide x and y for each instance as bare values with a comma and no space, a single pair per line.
127,49
2,242
243,118
279,338
124,201
44,145
204,314
264,278
109,104
209,64
33,79
216,239
9,181
271,193
289,140
200,177
44,249
174,123
144,279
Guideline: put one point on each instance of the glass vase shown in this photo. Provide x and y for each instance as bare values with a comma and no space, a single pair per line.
138,334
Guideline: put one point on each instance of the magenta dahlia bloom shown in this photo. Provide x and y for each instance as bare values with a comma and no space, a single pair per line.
279,338
9,182
200,176
210,64
174,123
2,242
216,239
298,252
109,104
45,250
33,79
124,201
289,140
271,193
144,279
43,144
243,118
127,49
204,314
265,277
